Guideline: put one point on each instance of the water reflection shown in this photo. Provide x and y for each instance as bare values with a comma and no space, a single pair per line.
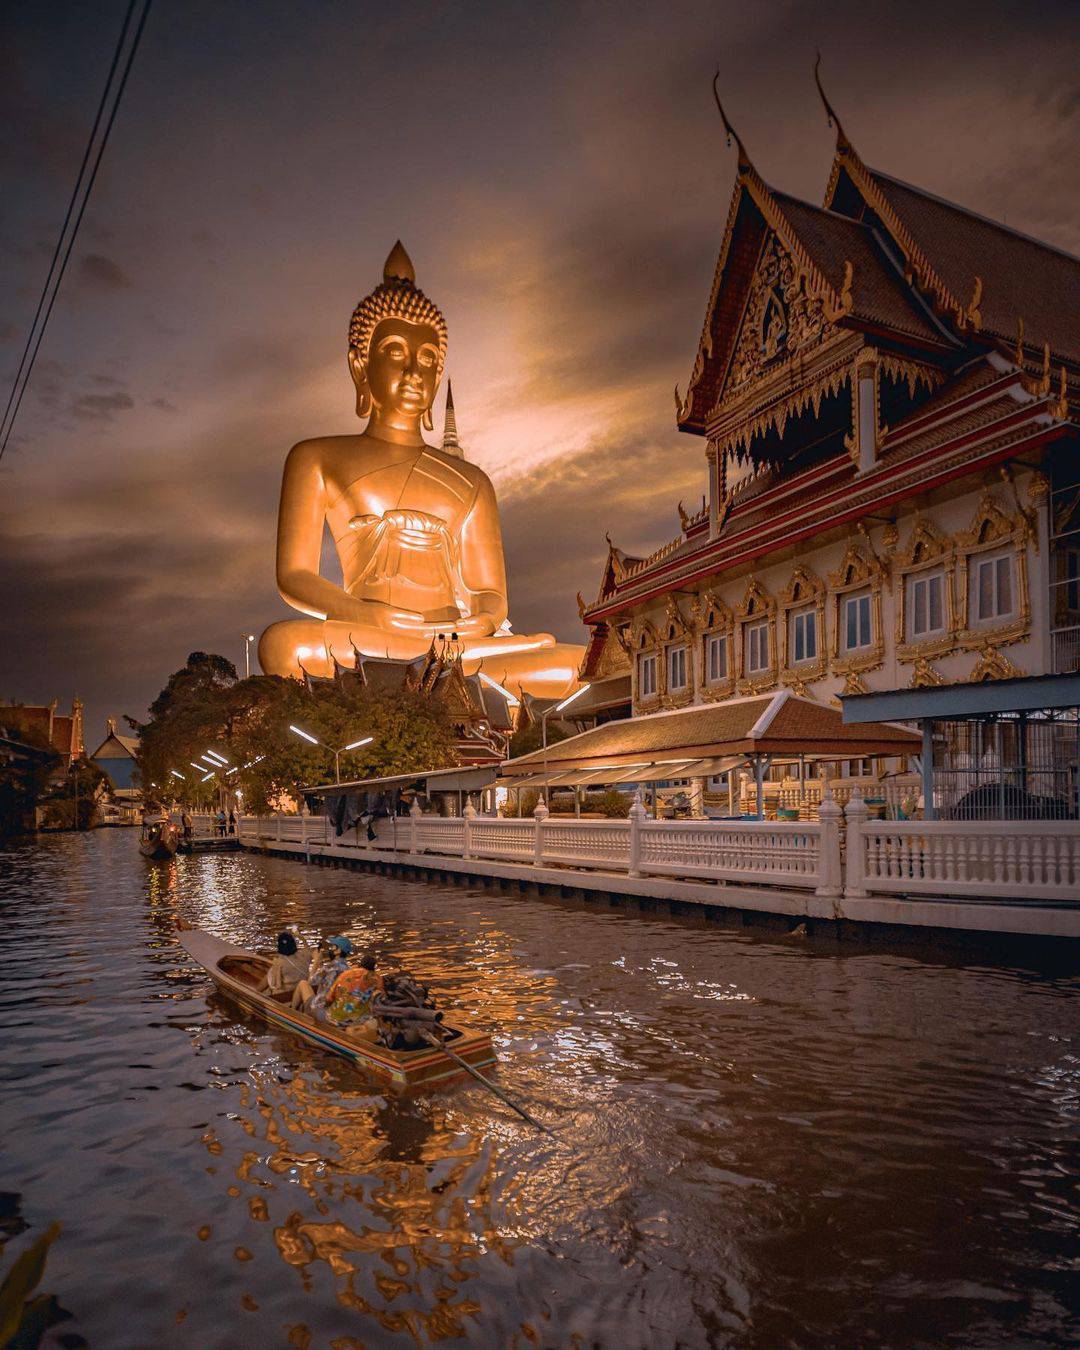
758,1142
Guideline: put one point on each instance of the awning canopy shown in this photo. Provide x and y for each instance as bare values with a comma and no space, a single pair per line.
703,741
949,702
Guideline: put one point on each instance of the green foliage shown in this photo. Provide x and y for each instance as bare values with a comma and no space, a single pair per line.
247,721
611,803
24,782
202,673
72,803
17,1310
530,737
529,799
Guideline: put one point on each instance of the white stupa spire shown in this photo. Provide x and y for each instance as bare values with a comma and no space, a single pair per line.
450,443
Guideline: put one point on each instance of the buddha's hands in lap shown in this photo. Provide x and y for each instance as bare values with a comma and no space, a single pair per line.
378,614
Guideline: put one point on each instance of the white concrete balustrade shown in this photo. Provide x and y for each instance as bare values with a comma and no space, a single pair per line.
1035,860
973,860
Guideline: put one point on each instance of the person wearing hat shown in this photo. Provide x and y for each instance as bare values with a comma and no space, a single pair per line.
329,961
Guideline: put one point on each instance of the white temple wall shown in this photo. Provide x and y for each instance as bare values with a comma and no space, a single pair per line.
954,590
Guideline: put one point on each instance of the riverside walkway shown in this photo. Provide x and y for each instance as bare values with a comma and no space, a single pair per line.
1003,877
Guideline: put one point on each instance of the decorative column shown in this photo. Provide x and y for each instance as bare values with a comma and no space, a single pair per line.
716,462
866,425
468,816
830,874
540,815
638,813
697,798
855,813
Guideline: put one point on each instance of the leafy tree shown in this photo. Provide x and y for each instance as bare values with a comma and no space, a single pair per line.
530,737
72,803
203,707
24,779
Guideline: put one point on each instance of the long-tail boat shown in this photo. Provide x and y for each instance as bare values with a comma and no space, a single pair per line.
159,839
238,973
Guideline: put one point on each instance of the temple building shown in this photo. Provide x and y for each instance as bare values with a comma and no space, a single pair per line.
42,726
482,713
887,388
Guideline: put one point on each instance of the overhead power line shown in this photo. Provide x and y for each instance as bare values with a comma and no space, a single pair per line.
56,273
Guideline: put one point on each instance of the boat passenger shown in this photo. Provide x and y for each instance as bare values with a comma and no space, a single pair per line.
286,970
349,999
188,824
327,964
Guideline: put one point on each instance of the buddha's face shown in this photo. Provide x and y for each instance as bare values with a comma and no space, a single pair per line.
401,373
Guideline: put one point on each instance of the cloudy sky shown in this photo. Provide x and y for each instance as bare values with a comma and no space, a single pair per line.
559,177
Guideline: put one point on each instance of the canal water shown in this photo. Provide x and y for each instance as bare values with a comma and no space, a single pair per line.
758,1141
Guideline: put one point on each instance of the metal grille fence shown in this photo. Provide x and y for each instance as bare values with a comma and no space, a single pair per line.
1011,766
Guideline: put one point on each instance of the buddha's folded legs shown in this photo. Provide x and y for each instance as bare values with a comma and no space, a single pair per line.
533,662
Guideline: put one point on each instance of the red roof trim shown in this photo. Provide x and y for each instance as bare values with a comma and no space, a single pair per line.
1040,435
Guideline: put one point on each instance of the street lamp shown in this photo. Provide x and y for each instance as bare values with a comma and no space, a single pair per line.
249,638
558,707
353,745
177,775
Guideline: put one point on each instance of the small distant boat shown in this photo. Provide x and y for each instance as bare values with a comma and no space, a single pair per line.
159,839
237,972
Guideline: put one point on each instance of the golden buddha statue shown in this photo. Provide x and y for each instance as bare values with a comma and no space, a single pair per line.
416,528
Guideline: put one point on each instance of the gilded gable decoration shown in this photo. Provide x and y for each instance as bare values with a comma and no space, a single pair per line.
675,624
924,676
805,591
714,616
855,684
612,659
643,634
993,665
782,317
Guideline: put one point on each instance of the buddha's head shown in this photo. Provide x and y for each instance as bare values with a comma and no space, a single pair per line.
397,347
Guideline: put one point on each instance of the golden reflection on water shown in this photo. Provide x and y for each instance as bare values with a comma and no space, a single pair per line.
739,1123
396,1217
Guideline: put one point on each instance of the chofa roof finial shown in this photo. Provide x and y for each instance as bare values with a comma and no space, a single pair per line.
729,130
842,141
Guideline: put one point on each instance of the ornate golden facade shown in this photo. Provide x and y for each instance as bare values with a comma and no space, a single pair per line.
887,461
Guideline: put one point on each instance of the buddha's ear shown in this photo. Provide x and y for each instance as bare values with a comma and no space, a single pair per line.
358,371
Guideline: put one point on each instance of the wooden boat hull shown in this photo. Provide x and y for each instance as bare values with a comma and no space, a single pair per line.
396,1069
160,843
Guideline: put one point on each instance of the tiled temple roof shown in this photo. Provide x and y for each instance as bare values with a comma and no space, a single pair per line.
1022,277
880,296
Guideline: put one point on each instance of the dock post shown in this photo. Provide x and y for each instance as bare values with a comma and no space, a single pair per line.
856,813
467,818
414,815
830,875
540,815
637,814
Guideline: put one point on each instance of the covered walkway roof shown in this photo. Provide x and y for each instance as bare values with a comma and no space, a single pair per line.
1027,693
707,740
